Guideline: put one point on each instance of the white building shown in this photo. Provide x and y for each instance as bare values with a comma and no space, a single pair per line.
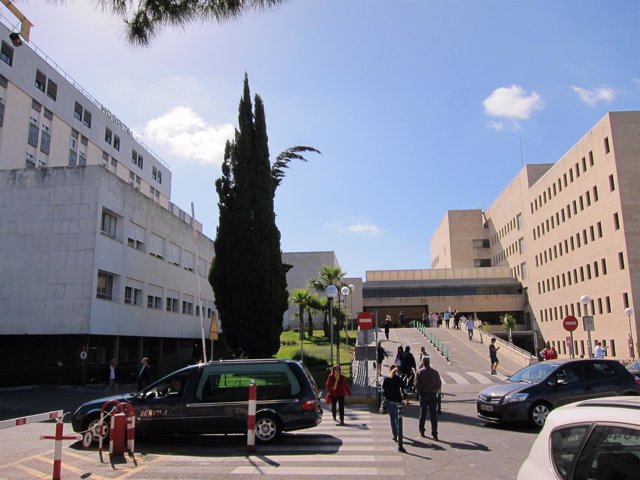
95,258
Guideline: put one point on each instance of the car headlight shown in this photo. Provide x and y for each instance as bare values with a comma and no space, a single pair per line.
515,397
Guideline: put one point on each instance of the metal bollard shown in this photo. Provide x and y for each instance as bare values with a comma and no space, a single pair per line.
251,418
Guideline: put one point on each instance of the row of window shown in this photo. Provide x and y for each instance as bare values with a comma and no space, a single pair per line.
564,247
563,347
137,237
46,85
555,220
82,114
520,271
441,291
567,178
562,311
580,274
6,53
516,223
515,247
157,297
111,139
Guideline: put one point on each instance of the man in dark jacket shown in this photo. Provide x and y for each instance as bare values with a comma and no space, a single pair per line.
408,362
144,374
428,385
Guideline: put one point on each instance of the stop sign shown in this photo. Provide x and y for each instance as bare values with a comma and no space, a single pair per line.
570,323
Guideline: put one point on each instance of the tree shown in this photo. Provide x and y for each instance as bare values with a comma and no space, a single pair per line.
509,323
328,275
145,18
247,274
302,298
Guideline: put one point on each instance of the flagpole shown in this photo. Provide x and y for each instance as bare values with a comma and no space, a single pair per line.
197,270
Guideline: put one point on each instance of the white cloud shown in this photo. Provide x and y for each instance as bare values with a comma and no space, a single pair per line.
365,229
188,137
495,125
512,102
604,93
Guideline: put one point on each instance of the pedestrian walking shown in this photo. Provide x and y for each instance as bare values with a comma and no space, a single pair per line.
423,353
428,384
144,373
469,324
394,395
381,355
408,362
112,377
398,360
546,352
401,317
447,319
387,325
424,319
600,351
493,356
338,388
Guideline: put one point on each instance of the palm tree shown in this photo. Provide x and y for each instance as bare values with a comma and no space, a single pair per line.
145,18
328,275
301,298
509,323
315,305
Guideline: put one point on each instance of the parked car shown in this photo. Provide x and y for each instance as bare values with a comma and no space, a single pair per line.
634,367
592,439
213,398
531,393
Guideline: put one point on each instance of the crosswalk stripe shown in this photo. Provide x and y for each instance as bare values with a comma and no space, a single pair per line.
325,471
481,378
459,379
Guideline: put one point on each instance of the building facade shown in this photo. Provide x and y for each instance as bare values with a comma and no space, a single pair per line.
571,229
97,263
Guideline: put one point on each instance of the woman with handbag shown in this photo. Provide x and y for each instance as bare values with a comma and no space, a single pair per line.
337,388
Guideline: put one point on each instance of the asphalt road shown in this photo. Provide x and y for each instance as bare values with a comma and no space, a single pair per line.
467,448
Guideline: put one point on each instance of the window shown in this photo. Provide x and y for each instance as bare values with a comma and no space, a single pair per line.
104,289
584,164
132,296
52,90
1,113
156,245
612,183
187,305
135,236
616,221
523,270
136,159
607,147
482,262
73,158
172,301
188,261
37,106
599,228
82,159
108,224
48,114
621,260
86,119
77,111
41,80
156,174
202,267
154,297
34,132
481,243
625,300
45,141
6,54
116,142
595,193
603,264
591,158
173,253
108,135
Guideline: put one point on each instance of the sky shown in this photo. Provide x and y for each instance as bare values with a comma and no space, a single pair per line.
418,107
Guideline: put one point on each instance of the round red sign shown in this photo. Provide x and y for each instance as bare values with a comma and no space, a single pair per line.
570,323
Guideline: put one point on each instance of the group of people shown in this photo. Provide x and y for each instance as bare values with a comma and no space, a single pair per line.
143,375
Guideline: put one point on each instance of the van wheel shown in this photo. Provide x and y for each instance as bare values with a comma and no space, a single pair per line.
267,428
93,424
538,414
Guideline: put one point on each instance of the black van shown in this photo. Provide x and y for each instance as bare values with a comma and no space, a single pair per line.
213,398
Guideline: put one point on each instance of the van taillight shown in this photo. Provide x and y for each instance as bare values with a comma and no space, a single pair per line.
636,379
309,405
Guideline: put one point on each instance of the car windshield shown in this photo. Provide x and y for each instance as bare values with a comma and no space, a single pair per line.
535,373
634,366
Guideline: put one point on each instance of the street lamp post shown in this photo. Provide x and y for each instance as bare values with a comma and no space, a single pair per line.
629,311
587,322
352,287
331,292
345,291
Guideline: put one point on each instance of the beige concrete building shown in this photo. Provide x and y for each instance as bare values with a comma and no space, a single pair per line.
566,230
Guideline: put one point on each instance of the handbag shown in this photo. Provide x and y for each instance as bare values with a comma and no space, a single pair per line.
327,399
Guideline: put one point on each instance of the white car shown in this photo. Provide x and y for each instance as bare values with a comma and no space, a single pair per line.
595,439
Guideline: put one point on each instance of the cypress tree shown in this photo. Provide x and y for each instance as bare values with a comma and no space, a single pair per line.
247,274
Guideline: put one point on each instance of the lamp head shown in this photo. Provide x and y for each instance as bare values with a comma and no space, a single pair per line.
331,291
15,39
628,311
584,299
345,291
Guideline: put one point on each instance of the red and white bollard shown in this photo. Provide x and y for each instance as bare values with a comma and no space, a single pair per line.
57,452
122,427
251,418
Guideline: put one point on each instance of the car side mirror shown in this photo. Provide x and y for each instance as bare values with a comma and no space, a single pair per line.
552,383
